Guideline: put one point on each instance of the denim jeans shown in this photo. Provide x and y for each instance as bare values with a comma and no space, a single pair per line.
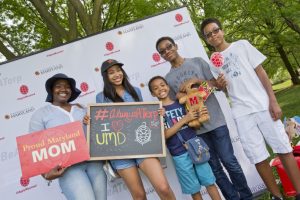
219,142
85,180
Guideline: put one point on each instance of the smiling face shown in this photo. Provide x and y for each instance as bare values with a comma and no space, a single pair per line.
61,91
115,75
168,50
159,89
214,35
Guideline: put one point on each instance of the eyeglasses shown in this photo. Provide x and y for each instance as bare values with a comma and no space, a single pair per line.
214,31
168,48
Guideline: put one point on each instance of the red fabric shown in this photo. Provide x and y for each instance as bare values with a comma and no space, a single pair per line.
288,188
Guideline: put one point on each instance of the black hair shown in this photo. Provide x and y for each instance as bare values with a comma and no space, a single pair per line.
153,79
209,21
110,92
162,39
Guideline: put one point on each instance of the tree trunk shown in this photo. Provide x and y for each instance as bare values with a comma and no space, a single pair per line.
48,18
283,55
297,71
6,52
288,21
292,25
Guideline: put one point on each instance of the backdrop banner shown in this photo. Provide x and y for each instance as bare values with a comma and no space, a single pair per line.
22,88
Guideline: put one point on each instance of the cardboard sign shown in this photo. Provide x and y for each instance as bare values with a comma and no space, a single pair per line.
125,130
41,151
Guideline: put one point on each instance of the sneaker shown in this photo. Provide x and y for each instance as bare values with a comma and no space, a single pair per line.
277,198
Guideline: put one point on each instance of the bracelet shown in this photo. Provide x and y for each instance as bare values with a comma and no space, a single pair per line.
45,176
49,182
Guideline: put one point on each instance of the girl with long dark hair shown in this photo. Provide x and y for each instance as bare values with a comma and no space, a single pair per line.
117,88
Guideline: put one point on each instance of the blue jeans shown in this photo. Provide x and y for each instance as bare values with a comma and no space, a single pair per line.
126,163
220,148
85,180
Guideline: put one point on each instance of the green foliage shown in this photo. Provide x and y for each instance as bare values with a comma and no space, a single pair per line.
270,25
260,22
19,27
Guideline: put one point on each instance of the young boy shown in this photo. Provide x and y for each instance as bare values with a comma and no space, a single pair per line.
254,105
191,176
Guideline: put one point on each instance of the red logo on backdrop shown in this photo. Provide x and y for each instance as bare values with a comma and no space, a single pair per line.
180,21
109,46
156,57
24,89
24,181
84,87
178,17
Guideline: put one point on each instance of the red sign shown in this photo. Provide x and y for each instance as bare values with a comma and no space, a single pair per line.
41,151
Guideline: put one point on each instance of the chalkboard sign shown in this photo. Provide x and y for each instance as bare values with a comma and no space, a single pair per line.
125,130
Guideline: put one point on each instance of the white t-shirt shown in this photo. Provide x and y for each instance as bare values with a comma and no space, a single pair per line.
245,90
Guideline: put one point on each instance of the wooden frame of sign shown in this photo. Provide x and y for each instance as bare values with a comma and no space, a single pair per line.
125,130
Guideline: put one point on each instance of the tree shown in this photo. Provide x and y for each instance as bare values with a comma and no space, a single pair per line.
31,25
272,26
290,12
262,23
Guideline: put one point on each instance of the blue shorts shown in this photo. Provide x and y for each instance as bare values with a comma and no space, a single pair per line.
126,163
192,177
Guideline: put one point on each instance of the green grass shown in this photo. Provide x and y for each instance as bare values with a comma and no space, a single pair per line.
283,85
289,100
288,97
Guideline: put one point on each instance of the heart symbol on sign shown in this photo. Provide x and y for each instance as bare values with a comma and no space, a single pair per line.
117,125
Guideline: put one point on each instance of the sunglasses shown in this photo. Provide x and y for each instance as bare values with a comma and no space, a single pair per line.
214,31
168,48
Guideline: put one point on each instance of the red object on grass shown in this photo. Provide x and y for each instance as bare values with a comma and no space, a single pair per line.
288,188
296,150
217,59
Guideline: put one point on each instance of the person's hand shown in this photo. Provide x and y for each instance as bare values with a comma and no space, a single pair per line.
86,120
275,110
191,115
204,111
221,82
54,173
161,111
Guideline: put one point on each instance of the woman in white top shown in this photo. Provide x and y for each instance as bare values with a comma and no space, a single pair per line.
85,180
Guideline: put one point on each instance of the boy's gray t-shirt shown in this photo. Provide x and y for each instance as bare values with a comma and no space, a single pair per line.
197,68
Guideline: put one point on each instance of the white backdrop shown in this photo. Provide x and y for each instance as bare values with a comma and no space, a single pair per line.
22,92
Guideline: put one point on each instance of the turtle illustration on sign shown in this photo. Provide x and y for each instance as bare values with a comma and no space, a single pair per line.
143,134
